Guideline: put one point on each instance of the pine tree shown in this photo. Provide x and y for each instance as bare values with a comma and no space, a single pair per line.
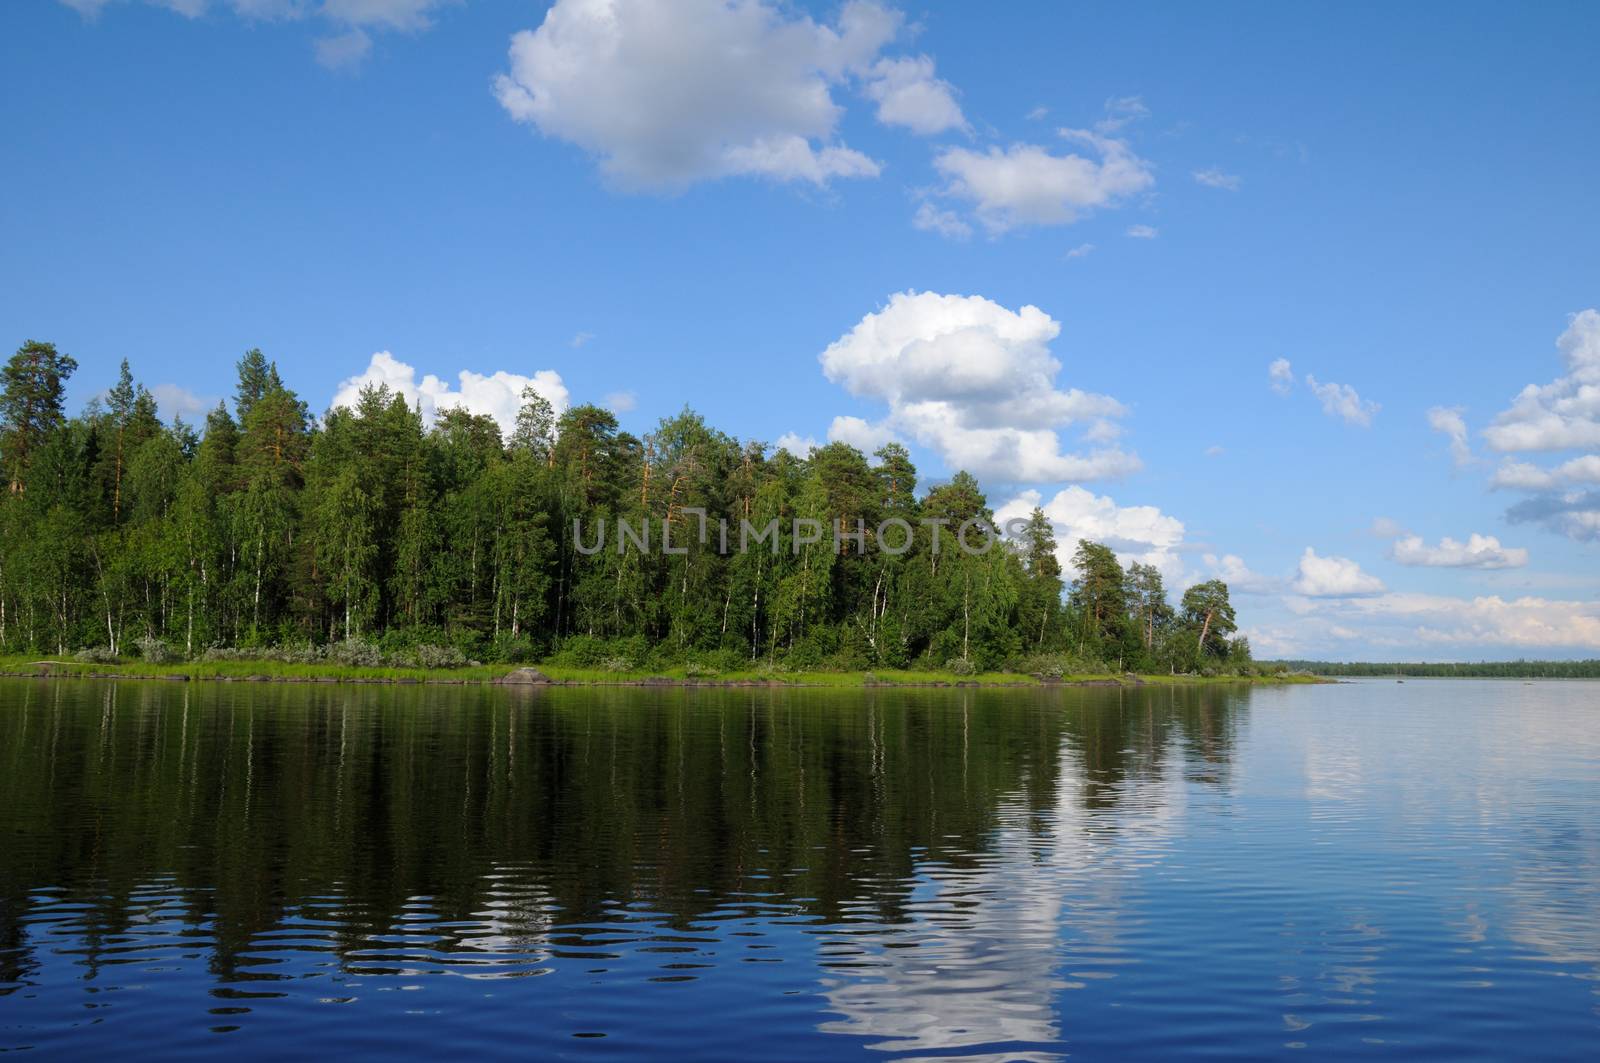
1208,611
32,386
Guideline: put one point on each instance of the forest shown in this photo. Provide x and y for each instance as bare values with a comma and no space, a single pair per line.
367,536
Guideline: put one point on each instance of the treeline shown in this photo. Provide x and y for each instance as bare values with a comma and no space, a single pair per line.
264,527
1443,670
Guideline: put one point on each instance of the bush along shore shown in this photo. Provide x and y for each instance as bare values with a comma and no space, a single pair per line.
365,663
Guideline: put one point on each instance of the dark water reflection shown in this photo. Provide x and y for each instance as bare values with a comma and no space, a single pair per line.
707,874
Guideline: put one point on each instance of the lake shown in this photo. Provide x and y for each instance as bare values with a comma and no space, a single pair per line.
1378,868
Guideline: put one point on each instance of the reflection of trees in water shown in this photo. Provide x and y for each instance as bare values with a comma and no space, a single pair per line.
250,809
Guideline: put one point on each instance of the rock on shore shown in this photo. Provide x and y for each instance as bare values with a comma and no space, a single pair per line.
523,677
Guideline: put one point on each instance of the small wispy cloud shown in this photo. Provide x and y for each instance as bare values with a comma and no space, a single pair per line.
1342,401
343,51
1120,111
347,25
179,400
1215,178
621,401
1081,251
581,338
947,223
1281,375
1448,421
1143,232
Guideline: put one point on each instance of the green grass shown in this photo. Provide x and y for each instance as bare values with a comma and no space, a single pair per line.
760,675
27,665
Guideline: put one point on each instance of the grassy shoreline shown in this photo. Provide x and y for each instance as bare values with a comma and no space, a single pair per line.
279,672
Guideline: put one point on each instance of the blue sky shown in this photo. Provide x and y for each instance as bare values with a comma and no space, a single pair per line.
655,205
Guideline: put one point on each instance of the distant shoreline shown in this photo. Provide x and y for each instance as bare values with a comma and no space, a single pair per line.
1521,669
553,676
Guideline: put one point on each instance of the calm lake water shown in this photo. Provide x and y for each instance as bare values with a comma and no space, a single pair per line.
1370,868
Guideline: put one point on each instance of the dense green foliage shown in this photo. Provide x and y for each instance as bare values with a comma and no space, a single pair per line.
374,538
1473,670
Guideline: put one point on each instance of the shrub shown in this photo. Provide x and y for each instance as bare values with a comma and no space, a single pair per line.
510,650
699,671
95,655
295,653
355,653
726,659
960,666
155,651
400,640
430,656
1057,665
805,655
617,664
1046,667
582,651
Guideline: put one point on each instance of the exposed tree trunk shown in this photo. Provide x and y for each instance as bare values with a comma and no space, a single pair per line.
966,618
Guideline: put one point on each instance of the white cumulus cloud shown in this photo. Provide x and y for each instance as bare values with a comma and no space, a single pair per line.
1136,533
1564,414
1231,569
1333,577
1526,476
977,383
1026,184
499,394
798,445
861,434
669,93
1561,415
1479,551
908,94
1441,623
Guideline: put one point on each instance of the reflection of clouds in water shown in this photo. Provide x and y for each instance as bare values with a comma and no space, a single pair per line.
979,967
1333,772
975,966
1555,895
1514,784
516,917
